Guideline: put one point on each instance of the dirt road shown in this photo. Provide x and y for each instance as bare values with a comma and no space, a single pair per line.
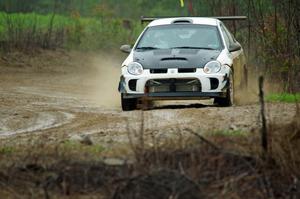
76,94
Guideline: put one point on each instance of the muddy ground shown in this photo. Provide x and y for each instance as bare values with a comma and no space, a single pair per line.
59,94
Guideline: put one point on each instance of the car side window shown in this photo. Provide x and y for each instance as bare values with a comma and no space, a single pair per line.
231,38
226,37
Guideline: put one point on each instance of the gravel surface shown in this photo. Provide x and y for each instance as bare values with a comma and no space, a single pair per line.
61,103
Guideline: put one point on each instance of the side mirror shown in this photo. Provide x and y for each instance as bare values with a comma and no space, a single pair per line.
234,47
125,48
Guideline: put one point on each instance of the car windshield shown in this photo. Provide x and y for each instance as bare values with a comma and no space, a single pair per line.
180,36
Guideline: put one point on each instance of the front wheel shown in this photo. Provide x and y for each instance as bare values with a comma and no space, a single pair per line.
229,99
128,104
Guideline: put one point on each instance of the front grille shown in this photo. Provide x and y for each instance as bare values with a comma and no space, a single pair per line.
159,71
186,70
173,85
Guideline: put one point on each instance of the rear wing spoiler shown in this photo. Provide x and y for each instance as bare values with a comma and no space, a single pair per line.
222,18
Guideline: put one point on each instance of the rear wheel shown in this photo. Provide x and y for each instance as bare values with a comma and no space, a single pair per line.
128,104
229,99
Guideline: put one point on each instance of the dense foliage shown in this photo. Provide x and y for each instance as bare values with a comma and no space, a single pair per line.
30,30
271,36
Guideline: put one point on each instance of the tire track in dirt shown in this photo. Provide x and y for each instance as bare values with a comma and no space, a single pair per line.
39,121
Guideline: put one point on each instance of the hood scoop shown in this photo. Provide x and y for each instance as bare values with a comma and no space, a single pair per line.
174,59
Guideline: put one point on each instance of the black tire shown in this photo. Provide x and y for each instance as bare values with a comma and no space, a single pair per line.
229,99
128,104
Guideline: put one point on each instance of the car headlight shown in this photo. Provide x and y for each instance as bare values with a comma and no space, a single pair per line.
135,68
212,67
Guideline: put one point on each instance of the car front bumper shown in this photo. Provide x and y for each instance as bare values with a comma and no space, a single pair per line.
211,85
176,95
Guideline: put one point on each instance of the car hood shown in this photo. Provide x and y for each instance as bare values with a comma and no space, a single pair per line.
175,58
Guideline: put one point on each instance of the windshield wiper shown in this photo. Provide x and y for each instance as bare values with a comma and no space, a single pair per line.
192,47
147,48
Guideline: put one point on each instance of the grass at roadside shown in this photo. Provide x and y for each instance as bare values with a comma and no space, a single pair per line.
283,97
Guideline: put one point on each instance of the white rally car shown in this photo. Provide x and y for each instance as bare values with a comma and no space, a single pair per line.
182,58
